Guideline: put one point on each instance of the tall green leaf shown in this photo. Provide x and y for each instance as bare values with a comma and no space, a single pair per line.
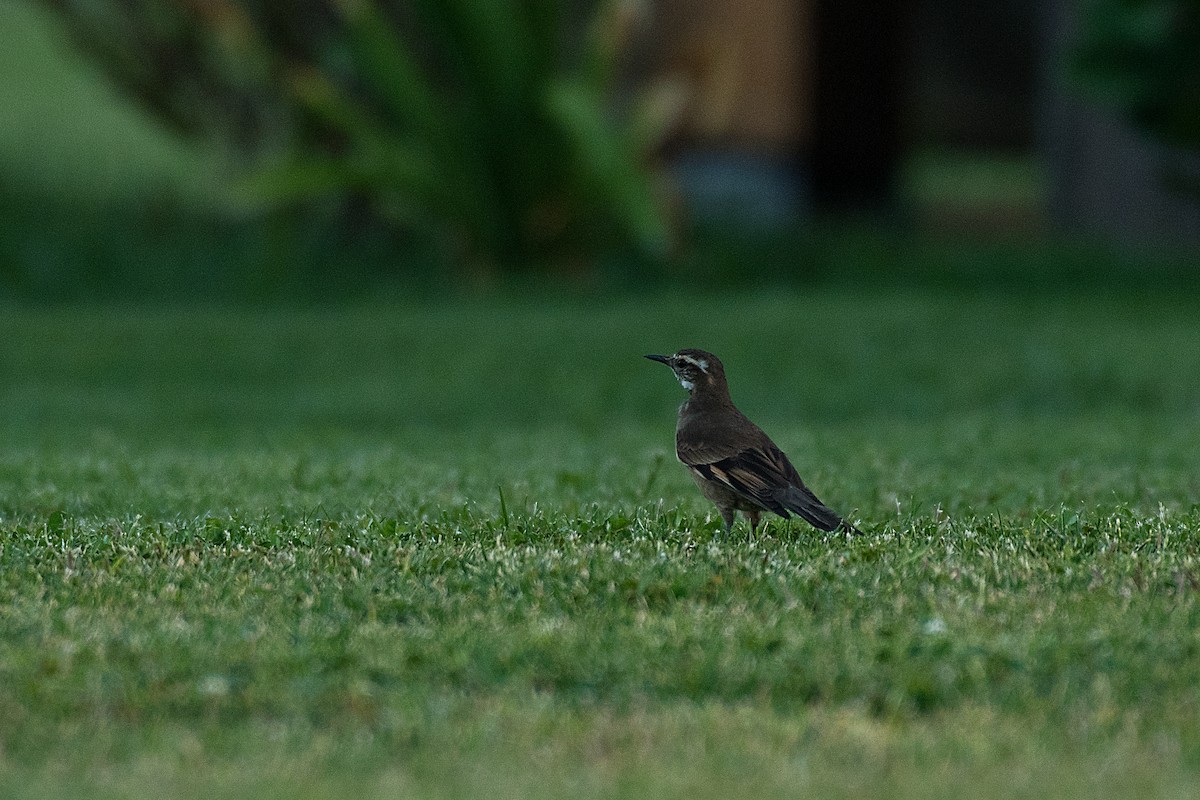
607,166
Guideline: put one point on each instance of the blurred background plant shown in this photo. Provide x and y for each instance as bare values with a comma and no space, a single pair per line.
1140,57
253,149
491,132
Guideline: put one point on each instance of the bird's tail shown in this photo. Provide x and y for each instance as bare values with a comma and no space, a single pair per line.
801,501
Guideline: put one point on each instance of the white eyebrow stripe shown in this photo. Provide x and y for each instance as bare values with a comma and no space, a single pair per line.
695,362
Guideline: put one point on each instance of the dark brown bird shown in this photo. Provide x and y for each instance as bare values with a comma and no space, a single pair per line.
734,463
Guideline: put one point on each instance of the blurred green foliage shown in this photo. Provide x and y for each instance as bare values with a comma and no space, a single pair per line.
488,129
1140,56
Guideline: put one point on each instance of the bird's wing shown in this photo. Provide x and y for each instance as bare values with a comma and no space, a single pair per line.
763,475
748,474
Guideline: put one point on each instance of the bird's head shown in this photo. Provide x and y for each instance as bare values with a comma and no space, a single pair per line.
696,370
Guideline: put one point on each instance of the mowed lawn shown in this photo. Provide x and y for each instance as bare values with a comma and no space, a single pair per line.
444,551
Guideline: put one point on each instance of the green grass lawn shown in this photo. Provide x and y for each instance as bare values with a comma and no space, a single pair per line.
402,551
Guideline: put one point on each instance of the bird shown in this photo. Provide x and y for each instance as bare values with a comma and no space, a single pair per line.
735,464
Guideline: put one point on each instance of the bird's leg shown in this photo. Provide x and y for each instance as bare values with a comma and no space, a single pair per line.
753,517
729,515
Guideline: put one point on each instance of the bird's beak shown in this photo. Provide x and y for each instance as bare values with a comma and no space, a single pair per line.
664,359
